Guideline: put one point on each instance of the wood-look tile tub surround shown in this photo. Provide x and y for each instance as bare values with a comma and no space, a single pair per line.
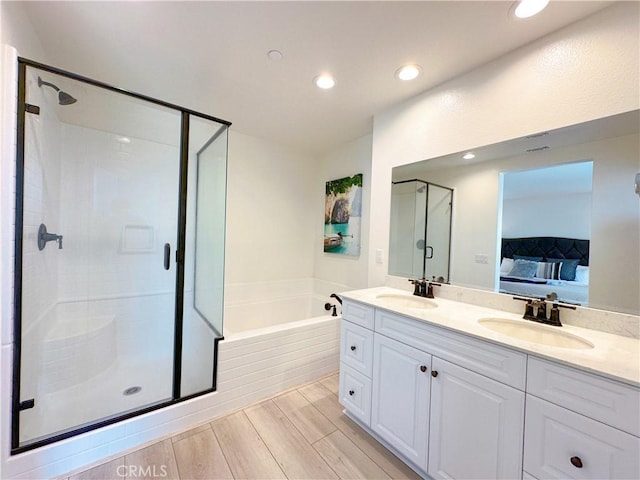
300,433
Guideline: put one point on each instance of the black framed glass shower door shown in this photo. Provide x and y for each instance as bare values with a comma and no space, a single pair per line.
100,253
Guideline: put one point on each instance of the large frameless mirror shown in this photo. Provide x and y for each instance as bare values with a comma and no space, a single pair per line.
561,197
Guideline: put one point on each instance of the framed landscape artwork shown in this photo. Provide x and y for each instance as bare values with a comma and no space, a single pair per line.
342,212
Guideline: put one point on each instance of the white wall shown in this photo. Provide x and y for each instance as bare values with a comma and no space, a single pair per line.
587,70
567,216
615,227
353,157
17,31
272,212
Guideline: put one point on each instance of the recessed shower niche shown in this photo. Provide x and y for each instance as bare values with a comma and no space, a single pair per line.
120,224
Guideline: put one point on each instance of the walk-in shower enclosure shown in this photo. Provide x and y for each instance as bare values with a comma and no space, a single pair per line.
119,254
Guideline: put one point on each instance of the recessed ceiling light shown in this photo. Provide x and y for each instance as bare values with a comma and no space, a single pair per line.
409,72
529,8
469,156
274,55
324,81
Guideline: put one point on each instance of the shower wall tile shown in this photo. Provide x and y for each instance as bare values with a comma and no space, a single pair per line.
115,185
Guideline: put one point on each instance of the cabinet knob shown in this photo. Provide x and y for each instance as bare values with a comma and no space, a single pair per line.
351,392
423,368
353,348
434,373
576,462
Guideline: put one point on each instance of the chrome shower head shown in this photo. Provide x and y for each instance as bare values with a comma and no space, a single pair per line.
63,97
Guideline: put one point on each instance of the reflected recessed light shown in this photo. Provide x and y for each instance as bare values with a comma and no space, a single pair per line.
123,140
529,8
409,72
324,81
469,156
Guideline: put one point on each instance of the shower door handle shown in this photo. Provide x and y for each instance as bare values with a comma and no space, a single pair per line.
167,256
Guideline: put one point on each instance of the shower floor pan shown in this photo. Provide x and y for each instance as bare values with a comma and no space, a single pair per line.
108,394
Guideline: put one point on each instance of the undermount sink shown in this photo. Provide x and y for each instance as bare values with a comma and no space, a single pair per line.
406,301
535,333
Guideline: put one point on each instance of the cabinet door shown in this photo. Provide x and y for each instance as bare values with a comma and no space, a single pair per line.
562,444
400,410
476,428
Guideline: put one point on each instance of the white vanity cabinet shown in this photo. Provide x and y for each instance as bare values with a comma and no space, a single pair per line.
473,429
400,397
453,405
476,425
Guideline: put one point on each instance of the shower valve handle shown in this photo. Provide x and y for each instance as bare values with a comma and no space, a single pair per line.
44,237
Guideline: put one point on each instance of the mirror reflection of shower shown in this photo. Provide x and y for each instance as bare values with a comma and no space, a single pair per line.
420,230
63,97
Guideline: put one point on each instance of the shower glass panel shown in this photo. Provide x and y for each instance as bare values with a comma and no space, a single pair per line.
406,240
438,232
98,289
204,264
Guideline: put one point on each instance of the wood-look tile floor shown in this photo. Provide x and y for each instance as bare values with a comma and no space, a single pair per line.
300,434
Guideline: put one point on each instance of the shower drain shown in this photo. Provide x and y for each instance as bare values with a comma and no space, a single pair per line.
132,390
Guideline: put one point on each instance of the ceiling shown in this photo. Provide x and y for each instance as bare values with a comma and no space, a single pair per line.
212,56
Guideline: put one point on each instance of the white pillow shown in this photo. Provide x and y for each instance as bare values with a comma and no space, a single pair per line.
582,274
506,265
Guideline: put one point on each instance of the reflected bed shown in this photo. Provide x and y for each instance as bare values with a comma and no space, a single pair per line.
552,264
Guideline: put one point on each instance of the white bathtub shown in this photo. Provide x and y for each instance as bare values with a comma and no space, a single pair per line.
269,304
276,335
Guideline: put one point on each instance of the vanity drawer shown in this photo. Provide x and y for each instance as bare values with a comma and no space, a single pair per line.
356,347
563,444
358,313
608,401
493,361
355,393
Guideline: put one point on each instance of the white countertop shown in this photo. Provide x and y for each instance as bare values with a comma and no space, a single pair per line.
614,356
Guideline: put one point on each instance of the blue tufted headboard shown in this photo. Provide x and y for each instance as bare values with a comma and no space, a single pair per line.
547,247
